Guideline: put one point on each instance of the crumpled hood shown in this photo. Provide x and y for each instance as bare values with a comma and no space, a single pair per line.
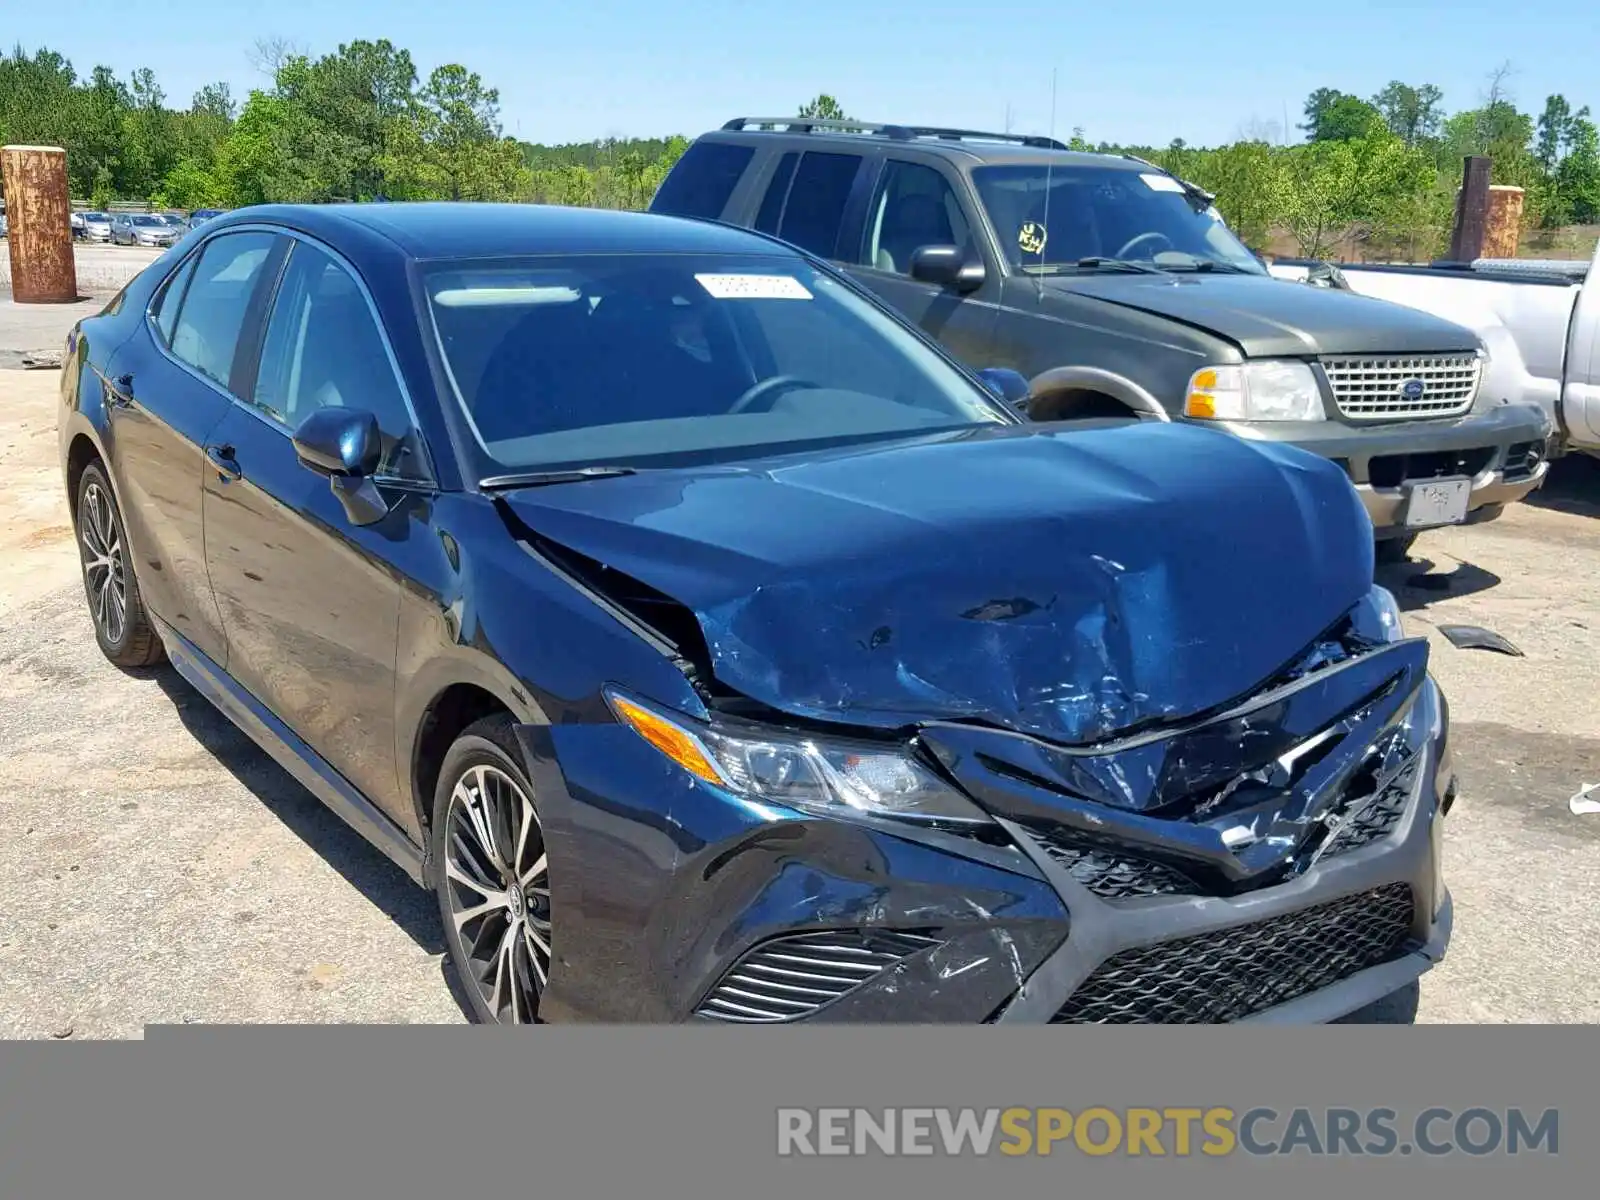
1066,583
1272,317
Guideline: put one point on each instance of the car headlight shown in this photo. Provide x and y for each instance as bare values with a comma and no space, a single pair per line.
1267,390
831,777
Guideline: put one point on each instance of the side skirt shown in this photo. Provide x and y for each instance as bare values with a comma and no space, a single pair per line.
300,760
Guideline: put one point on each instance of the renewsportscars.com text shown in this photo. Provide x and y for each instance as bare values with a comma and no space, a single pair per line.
1167,1132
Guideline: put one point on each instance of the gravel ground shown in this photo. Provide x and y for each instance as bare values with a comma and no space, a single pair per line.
157,867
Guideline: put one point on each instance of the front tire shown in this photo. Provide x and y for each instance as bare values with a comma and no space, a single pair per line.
121,624
1394,550
493,875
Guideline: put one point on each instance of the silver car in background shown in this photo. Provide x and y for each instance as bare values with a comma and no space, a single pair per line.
97,226
143,229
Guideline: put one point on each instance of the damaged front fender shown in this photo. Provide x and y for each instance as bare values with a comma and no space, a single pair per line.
664,886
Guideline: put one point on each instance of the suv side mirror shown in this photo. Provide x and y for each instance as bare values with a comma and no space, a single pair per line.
946,266
1007,384
346,446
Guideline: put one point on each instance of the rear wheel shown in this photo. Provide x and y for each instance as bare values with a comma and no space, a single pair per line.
121,624
493,875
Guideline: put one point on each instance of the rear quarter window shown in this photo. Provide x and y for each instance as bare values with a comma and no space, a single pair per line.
703,179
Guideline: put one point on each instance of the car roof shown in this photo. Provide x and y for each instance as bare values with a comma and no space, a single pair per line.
437,229
970,148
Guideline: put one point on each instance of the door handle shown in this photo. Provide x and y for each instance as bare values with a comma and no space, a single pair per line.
223,463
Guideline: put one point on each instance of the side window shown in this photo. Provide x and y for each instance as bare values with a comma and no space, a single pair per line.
323,349
815,210
777,191
171,297
915,206
206,333
702,180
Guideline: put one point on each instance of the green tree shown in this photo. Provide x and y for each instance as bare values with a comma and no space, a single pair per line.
824,107
1413,114
466,156
1335,116
1578,176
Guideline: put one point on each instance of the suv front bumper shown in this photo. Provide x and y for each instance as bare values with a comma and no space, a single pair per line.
1504,451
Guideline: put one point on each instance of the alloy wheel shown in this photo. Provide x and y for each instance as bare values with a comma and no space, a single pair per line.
498,891
103,566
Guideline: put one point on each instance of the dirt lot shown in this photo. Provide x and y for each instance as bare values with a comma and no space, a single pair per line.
156,867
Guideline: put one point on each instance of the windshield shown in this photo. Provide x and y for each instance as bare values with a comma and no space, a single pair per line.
148,221
1050,218
645,360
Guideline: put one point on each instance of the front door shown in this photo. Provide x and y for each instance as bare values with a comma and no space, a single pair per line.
916,204
310,602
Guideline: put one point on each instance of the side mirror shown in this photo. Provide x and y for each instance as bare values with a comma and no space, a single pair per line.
946,266
1007,384
346,446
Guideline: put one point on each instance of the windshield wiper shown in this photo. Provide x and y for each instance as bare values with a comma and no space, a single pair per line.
522,479
1197,263
1116,264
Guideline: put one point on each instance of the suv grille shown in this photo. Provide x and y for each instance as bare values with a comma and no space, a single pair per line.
1373,387
1234,973
792,977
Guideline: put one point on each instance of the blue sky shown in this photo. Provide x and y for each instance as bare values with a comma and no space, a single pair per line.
1128,70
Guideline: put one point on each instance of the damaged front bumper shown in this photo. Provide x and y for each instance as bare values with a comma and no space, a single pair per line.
680,901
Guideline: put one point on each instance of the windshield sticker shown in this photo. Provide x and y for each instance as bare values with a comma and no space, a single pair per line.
754,287
1162,183
1032,237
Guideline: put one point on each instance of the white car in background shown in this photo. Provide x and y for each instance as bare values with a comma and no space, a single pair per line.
1539,320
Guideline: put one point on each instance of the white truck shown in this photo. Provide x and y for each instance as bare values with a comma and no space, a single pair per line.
1539,320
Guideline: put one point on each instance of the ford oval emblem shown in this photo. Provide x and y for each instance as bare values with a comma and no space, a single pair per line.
1412,389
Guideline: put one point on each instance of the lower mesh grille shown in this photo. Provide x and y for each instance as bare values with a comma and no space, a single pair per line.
1109,872
1231,974
792,977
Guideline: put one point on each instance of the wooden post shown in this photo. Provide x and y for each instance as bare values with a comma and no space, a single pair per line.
1472,210
1505,222
39,225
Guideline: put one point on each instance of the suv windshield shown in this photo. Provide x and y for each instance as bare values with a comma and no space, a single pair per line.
1049,218
645,359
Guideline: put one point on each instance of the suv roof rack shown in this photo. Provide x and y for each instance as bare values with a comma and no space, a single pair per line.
902,133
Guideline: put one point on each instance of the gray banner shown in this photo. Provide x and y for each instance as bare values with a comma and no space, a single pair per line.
421,1111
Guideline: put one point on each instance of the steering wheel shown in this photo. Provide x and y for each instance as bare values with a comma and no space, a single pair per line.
769,388
1153,236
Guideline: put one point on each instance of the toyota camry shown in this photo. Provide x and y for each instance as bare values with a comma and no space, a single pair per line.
717,648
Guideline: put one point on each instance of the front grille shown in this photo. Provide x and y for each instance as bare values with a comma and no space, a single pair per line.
1374,818
1231,974
1372,387
791,977
1109,872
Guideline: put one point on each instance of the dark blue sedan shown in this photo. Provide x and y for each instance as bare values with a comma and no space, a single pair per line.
717,648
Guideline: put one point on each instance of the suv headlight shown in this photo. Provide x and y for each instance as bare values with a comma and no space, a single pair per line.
831,777
1267,390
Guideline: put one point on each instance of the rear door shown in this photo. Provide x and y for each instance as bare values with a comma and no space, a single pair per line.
918,202
311,602
168,388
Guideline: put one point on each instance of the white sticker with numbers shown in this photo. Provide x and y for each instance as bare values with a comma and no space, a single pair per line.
1162,183
754,287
